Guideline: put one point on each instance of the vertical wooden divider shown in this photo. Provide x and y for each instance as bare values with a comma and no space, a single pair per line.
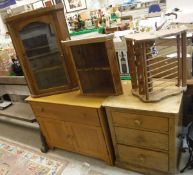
183,36
146,88
140,66
179,60
148,56
132,64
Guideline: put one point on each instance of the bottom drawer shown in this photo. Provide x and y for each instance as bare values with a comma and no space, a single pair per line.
145,158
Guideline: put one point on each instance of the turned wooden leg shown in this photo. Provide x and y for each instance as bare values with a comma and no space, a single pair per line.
44,147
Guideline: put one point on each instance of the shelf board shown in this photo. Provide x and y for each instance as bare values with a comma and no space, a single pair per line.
48,69
190,82
100,91
43,55
37,48
20,111
94,69
13,80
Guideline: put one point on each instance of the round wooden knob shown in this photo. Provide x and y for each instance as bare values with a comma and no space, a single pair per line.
68,136
42,110
137,122
84,114
142,158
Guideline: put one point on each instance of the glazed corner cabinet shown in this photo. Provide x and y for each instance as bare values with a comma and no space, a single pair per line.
37,36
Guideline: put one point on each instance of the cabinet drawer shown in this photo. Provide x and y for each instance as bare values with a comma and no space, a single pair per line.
141,138
83,115
140,121
145,158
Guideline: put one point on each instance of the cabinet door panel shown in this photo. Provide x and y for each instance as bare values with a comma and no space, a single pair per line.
43,55
58,133
89,140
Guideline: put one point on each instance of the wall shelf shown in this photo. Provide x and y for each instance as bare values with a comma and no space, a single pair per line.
12,80
19,111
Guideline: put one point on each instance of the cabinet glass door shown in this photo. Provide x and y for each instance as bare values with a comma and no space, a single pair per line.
43,55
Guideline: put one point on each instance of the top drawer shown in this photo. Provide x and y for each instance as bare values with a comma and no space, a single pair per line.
83,115
137,121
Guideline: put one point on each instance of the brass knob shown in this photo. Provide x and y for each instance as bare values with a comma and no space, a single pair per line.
137,122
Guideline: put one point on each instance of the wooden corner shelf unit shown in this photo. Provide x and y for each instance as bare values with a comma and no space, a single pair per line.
36,36
157,63
96,65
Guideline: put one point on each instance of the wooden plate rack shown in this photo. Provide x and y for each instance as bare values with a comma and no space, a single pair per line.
157,63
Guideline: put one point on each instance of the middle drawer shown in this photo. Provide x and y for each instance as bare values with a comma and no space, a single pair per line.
83,115
140,138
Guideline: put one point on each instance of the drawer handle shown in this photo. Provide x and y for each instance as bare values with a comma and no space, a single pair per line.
68,136
84,114
42,110
137,122
142,158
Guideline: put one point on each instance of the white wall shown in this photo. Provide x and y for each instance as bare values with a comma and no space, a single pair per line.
95,4
2,27
181,4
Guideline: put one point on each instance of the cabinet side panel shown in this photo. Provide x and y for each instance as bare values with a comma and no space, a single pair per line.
112,131
114,66
107,135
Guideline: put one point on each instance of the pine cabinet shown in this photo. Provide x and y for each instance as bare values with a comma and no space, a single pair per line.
75,123
36,36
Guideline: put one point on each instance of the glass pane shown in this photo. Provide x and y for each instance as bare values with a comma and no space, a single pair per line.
43,55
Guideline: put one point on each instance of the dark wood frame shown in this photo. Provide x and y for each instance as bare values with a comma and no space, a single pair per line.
74,10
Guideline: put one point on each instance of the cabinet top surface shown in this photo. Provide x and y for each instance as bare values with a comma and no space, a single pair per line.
71,98
169,105
87,40
34,13
155,35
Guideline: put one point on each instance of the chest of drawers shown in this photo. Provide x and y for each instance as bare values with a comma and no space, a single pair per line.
144,134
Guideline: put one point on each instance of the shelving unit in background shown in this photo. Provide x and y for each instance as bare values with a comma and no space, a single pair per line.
16,88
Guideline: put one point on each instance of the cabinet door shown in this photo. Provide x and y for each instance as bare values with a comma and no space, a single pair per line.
41,57
89,140
58,133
